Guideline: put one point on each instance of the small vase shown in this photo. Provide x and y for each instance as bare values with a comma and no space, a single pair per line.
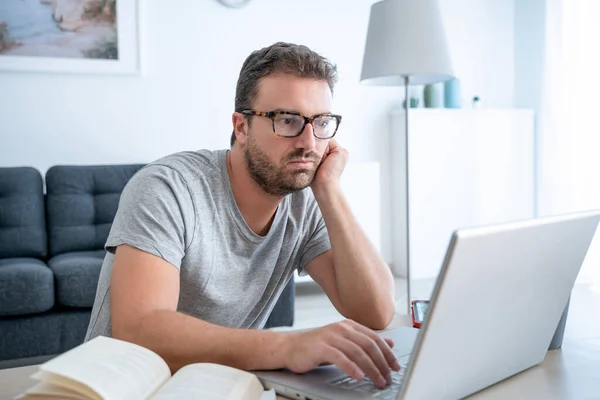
452,93
433,95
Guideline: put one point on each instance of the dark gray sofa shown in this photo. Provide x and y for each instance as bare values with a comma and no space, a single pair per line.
51,252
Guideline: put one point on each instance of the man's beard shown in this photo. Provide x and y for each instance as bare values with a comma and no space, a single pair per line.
273,179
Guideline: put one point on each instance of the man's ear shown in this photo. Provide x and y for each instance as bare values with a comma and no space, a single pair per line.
240,127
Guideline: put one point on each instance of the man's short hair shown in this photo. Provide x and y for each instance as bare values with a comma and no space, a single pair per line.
279,58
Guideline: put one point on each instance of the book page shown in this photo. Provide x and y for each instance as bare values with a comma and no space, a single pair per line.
211,382
43,390
110,368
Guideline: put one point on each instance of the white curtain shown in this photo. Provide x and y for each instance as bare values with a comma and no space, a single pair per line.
569,120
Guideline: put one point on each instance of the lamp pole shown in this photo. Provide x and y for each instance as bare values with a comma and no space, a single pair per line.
406,107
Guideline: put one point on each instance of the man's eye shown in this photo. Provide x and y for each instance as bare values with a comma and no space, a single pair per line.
323,122
288,121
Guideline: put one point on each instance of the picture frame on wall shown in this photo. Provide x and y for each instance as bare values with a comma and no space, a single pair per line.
69,36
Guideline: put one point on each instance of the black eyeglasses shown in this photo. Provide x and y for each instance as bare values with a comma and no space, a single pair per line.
290,124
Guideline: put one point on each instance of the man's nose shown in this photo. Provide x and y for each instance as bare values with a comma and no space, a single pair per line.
306,139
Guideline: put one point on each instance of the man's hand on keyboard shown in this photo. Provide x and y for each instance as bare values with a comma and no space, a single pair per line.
355,349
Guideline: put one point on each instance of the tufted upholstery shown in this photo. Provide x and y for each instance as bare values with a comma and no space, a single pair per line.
46,296
26,286
81,204
22,221
76,277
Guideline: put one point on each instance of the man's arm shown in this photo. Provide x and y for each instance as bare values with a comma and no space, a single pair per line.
352,273
144,292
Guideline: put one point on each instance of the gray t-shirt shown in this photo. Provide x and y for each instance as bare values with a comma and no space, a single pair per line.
181,208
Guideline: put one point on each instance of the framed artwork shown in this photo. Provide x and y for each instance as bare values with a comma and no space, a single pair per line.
72,36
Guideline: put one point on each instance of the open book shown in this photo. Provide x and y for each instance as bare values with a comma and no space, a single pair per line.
111,369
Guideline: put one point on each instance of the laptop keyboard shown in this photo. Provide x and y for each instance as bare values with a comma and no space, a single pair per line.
366,386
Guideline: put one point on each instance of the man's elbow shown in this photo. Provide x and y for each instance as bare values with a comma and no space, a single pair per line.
382,319
377,318
143,332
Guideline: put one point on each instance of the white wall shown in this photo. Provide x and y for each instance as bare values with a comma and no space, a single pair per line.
481,35
191,54
530,25
530,37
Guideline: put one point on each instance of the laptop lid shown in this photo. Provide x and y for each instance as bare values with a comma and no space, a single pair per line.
496,304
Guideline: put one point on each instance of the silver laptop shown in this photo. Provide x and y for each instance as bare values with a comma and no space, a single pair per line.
495,307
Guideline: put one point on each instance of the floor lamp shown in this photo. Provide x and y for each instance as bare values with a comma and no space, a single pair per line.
406,44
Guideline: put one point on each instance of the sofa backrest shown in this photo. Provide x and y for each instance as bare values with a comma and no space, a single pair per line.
22,220
81,203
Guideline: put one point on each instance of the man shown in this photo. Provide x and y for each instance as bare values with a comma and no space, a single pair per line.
204,242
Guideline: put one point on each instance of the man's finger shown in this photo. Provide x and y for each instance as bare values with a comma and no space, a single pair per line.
337,357
382,343
362,359
333,145
372,348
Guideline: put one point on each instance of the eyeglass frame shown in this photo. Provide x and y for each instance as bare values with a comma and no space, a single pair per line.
307,120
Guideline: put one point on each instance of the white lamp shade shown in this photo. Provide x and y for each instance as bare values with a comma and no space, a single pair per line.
406,38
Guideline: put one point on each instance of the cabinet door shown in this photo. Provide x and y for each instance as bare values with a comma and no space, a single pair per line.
467,168
442,190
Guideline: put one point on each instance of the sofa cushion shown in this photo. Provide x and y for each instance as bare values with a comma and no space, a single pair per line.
26,286
22,220
81,204
76,277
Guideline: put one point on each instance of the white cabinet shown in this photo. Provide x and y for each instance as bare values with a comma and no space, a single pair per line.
467,168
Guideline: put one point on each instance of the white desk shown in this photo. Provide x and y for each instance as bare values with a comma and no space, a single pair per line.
572,372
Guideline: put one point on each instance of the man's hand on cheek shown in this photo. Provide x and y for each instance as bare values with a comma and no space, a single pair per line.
329,172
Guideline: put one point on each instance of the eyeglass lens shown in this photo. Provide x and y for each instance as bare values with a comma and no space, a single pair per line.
292,125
